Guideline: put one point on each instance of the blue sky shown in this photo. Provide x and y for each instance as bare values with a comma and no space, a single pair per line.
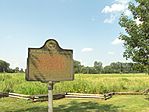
89,27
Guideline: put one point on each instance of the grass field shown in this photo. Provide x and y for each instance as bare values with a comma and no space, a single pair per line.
115,104
83,83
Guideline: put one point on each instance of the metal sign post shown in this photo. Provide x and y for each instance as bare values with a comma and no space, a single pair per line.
50,63
50,97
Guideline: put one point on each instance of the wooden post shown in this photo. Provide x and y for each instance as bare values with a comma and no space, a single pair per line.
50,97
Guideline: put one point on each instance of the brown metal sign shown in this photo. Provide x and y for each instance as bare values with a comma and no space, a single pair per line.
49,63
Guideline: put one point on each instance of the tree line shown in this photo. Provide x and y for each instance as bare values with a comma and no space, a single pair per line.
5,67
97,68
114,67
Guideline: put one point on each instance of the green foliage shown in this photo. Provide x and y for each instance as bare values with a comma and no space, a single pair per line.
4,66
83,83
15,82
136,41
77,67
16,69
114,67
98,67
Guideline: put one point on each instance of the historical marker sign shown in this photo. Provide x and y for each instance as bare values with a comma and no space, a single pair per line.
49,63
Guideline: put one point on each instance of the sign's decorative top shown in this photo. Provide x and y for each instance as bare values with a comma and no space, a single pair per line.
49,63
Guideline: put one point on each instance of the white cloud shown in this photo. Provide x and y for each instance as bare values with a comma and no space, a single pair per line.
87,50
118,7
111,53
117,41
122,1
110,20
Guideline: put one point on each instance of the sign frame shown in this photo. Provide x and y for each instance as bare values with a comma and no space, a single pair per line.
48,52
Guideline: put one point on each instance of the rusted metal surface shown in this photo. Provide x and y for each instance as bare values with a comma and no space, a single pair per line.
49,63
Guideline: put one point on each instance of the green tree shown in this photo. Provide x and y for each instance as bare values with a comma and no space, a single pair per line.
136,38
116,67
88,70
85,70
17,69
98,67
138,68
77,66
4,66
21,70
108,69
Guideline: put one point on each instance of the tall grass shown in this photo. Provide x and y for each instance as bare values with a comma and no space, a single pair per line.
16,82
91,83
83,83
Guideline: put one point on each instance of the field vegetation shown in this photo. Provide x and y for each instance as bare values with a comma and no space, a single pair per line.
83,83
